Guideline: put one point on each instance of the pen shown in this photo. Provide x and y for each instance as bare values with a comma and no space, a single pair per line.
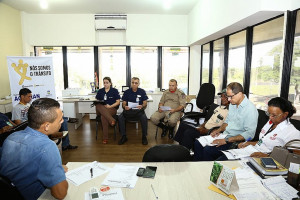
246,141
91,170
154,192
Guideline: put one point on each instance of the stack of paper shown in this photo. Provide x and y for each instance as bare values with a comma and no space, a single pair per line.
83,174
280,188
207,140
280,170
122,176
240,153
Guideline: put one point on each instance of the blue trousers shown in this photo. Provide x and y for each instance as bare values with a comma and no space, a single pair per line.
144,122
64,127
208,153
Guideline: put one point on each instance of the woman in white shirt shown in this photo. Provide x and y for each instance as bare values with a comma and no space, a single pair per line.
278,130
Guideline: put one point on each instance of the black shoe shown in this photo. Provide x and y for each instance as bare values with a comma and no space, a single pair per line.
164,132
144,140
171,130
69,147
123,140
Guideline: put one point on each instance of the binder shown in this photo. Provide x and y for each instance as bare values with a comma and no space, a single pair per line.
257,164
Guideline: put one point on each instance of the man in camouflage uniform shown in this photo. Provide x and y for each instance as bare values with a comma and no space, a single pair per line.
171,104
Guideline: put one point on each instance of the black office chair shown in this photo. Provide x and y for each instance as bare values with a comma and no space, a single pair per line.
98,120
8,190
167,153
205,99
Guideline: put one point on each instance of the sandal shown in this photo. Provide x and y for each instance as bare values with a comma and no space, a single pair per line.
105,141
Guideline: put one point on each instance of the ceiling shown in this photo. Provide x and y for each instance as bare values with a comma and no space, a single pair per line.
176,7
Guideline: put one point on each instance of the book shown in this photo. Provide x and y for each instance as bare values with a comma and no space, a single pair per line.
268,163
280,170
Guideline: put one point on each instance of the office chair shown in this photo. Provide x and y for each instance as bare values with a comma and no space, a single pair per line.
98,120
204,100
167,153
8,190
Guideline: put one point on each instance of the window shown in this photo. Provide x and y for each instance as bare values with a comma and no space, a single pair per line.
294,90
218,64
266,67
175,65
56,53
205,64
80,68
144,66
236,58
112,63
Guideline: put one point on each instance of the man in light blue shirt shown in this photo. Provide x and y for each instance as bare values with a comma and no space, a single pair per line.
240,125
29,159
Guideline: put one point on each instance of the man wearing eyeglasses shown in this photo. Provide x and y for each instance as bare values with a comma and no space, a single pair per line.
134,104
240,125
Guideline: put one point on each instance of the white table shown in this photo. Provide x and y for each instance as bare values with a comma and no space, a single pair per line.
6,106
182,181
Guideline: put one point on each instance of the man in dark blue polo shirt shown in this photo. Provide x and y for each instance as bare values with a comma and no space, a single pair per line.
134,104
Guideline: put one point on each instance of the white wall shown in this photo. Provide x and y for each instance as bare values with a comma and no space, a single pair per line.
194,78
213,19
210,20
79,29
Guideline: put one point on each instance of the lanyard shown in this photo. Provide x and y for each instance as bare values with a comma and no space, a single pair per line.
269,131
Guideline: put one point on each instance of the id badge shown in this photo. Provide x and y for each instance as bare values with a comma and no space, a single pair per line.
259,142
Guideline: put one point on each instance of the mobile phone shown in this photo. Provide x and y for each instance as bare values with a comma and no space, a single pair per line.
140,172
94,193
149,172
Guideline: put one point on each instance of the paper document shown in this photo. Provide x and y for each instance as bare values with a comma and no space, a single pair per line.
122,176
280,187
132,105
84,173
112,194
165,108
207,140
240,153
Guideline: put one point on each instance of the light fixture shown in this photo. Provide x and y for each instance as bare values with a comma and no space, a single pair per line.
44,4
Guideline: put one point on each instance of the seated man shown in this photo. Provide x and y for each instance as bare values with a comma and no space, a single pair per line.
5,123
19,115
29,159
240,125
138,96
276,132
175,99
187,134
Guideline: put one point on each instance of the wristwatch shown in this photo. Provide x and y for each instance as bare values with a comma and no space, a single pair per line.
226,140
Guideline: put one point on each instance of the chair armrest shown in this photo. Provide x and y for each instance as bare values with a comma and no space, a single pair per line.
192,106
212,129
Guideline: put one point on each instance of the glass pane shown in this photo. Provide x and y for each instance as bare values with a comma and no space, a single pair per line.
218,64
112,63
144,66
56,53
80,68
266,67
175,65
294,91
205,64
236,58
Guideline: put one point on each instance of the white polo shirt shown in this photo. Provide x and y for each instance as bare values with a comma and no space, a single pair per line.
283,133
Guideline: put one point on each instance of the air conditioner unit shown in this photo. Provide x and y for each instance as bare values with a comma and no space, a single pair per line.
110,22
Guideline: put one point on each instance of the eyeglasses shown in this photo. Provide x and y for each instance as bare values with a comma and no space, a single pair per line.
273,116
230,96
135,83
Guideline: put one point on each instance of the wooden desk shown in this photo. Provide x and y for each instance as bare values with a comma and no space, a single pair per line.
182,181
